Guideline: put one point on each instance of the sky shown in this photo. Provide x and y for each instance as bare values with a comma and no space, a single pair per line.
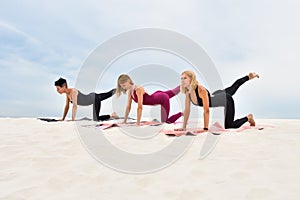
41,41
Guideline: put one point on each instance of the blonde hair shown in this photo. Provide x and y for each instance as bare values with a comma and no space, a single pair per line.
122,79
193,78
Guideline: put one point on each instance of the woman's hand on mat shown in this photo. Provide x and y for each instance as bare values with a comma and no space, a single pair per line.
180,129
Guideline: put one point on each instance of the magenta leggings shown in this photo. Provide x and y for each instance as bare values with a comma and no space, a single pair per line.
163,98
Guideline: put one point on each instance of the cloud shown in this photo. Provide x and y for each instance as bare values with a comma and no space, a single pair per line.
27,73
46,39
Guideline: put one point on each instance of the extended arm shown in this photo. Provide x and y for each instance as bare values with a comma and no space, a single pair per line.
74,100
128,107
66,108
205,99
187,110
139,92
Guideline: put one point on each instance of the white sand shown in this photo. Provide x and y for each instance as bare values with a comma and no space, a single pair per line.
40,160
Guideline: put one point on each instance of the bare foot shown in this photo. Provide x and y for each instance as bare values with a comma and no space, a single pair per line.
252,75
251,120
114,115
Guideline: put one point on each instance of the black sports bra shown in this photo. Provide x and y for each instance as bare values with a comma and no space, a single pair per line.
199,100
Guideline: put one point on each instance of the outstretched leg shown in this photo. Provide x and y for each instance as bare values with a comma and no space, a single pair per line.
105,95
238,83
235,86
173,92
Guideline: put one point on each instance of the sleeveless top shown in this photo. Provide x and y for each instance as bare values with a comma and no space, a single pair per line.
85,99
147,99
199,100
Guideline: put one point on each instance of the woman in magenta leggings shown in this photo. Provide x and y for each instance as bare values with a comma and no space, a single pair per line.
140,96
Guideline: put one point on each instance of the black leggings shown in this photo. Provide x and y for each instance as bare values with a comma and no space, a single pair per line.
219,100
97,105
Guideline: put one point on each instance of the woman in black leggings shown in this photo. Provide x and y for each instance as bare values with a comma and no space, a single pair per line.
77,98
200,96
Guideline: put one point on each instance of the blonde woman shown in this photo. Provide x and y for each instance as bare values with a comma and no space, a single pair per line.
200,96
140,96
